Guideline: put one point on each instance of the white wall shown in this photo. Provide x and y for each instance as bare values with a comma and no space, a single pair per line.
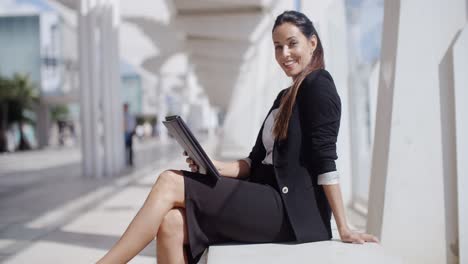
460,66
411,179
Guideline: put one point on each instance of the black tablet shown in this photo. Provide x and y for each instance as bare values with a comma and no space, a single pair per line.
180,131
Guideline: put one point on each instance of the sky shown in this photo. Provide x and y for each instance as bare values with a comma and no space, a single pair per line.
23,6
365,21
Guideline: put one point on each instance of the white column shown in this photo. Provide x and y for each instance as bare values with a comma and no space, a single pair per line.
162,108
115,98
408,182
101,109
236,142
196,116
373,84
447,118
96,91
84,41
460,66
105,29
255,87
384,116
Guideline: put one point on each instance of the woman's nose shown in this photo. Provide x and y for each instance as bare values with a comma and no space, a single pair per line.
285,52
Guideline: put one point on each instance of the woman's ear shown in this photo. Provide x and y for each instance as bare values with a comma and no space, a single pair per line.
313,43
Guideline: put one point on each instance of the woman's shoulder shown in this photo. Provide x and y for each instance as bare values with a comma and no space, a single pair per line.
318,84
279,96
318,76
282,92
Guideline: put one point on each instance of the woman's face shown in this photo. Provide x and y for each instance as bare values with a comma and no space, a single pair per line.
293,51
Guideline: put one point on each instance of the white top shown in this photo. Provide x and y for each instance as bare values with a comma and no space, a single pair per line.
130,123
267,136
327,178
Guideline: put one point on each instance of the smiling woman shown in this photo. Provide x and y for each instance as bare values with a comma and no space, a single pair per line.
298,50
293,50
291,185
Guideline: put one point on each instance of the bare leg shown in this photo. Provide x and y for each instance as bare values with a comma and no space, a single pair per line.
171,238
167,193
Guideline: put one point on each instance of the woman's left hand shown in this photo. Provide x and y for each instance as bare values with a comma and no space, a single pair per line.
349,236
193,166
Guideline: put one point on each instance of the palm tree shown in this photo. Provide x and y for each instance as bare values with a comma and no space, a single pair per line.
18,95
6,94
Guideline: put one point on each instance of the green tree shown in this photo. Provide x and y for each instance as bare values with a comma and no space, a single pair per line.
59,112
6,93
18,96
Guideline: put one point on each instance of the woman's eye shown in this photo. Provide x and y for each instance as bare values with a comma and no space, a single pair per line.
293,44
277,47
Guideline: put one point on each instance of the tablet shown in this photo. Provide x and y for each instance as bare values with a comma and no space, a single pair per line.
180,131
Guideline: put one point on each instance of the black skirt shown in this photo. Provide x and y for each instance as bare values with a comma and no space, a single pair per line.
234,210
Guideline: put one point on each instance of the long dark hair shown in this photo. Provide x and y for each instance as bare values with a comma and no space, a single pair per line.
301,21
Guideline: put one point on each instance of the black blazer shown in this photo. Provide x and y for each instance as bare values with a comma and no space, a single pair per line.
308,151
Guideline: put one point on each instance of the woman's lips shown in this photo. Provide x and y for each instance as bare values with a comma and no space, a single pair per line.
289,64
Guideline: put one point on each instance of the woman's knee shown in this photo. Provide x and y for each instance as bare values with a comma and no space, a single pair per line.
171,186
173,226
169,178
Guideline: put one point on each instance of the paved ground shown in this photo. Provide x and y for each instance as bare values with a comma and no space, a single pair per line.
49,213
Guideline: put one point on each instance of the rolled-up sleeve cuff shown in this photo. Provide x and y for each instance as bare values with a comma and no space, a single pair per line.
248,160
329,178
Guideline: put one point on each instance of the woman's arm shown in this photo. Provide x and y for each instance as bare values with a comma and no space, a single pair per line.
333,193
320,110
236,169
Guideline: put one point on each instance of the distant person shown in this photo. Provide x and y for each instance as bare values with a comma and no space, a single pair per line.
129,131
72,132
293,185
61,131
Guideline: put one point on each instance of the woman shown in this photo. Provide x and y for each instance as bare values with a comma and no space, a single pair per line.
292,183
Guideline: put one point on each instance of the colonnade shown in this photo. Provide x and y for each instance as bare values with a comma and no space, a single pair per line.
230,48
101,106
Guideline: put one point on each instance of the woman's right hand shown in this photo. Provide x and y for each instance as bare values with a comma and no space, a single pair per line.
192,165
349,236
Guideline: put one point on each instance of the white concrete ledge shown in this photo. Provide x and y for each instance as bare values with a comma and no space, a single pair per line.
318,252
